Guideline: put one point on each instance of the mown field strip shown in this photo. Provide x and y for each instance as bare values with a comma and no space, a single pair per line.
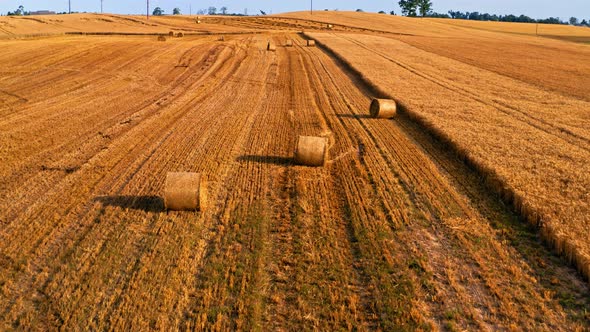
86,173
447,212
55,156
480,134
563,117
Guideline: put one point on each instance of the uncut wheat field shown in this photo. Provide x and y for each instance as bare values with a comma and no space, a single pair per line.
469,210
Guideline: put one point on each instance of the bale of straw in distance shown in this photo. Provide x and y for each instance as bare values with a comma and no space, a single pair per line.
383,108
185,191
311,42
289,43
271,47
161,38
311,150
180,35
171,34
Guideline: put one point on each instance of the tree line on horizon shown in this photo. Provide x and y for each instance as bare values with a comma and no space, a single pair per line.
410,8
414,8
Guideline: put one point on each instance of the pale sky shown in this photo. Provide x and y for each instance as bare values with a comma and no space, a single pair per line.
533,8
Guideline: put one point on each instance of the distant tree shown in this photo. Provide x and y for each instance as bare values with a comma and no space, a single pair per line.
473,16
381,12
525,19
497,18
425,7
359,10
201,11
176,11
550,20
392,13
158,11
223,10
212,10
409,7
573,21
437,15
584,22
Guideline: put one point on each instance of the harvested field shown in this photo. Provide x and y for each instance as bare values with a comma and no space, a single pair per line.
499,125
15,26
553,30
520,58
477,44
393,233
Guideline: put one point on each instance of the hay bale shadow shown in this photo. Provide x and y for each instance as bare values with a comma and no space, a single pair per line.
273,160
142,203
354,116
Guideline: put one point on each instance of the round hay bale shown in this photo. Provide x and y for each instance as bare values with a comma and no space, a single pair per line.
383,108
330,26
180,35
311,43
198,21
161,38
185,191
289,43
271,47
311,150
171,34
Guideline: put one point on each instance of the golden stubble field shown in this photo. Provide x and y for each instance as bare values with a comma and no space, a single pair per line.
414,223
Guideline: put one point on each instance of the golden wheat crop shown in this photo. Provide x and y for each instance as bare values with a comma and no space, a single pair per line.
393,232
